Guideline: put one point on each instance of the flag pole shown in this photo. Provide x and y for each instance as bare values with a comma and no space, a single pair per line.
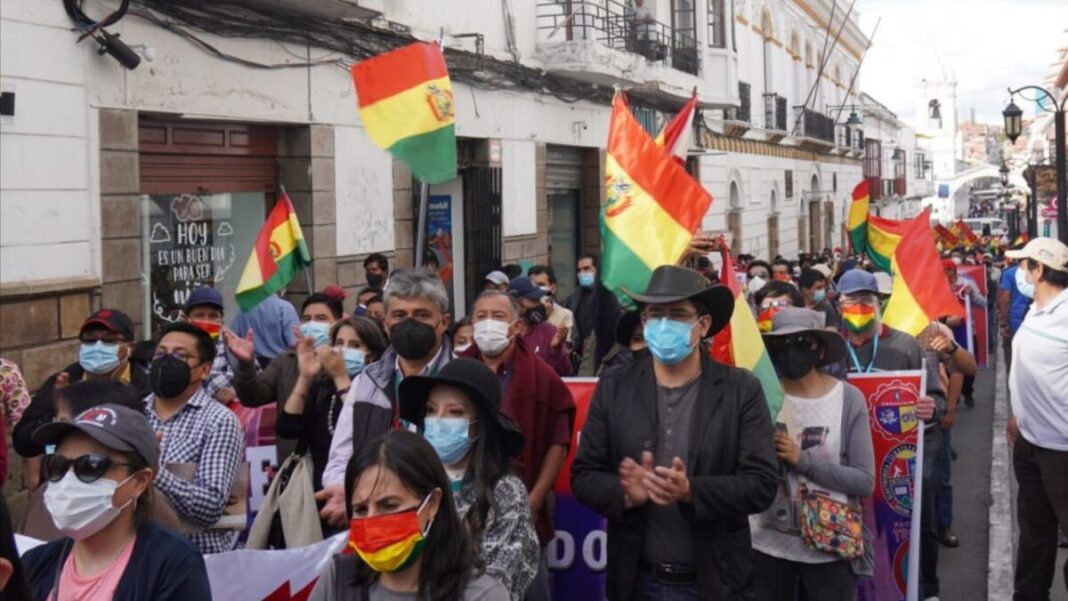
420,234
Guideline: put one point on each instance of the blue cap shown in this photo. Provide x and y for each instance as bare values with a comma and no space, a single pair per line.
857,280
522,287
205,295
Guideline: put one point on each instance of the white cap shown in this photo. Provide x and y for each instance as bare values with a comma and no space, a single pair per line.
884,282
497,277
820,267
1047,251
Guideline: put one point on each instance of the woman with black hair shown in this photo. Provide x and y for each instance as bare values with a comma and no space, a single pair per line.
458,411
408,540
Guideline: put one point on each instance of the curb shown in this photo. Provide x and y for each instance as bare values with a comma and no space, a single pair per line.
1000,566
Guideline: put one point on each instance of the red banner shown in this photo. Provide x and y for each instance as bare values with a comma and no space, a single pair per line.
973,335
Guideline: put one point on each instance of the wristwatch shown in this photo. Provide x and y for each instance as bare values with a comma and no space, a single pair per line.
954,349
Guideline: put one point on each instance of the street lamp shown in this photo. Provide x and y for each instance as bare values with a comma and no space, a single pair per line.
1004,171
1012,115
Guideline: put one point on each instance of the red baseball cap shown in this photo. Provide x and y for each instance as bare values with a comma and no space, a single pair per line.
949,264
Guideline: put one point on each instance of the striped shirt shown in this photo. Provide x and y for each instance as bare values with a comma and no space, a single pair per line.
208,434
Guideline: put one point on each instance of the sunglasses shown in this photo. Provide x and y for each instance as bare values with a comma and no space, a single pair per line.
87,468
794,341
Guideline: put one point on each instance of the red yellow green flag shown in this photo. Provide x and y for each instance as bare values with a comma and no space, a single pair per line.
279,253
966,233
945,236
739,344
858,218
921,291
883,237
406,104
653,206
676,135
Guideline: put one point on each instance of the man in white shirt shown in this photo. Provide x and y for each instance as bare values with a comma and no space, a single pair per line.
1038,430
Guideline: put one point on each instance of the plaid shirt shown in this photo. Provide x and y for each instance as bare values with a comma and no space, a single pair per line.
208,434
221,376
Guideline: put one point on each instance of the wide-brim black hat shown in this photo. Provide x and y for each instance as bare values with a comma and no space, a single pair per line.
671,284
481,385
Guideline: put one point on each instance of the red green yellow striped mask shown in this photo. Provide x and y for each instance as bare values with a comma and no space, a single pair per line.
210,327
390,542
858,318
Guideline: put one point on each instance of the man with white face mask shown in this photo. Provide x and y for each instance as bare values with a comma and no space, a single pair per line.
536,398
99,492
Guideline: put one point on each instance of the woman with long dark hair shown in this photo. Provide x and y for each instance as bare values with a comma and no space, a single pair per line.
404,530
458,411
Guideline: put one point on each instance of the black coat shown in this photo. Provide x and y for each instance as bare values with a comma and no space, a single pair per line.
603,313
731,465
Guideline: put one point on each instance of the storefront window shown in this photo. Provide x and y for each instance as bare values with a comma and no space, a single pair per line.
195,240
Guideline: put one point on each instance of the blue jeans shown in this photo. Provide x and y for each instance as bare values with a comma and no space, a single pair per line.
646,588
945,497
539,589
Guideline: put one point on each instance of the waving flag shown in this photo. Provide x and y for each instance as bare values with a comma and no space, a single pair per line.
406,104
947,237
278,254
677,135
921,290
739,344
970,239
653,206
858,218
883,237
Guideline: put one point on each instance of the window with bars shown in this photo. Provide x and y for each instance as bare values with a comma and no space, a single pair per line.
717,30
789,183
919,159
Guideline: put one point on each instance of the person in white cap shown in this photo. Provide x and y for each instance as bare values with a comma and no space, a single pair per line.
1038,430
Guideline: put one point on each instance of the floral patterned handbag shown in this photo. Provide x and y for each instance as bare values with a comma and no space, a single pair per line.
831,526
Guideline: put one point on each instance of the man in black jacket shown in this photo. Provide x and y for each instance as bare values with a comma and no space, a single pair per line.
596,314
107,340
676,453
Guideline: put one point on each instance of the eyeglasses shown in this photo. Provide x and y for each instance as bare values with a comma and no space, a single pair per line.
781,303
672,315
179,355
806,342
87,468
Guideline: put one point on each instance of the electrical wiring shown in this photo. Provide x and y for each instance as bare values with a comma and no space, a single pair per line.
87,24
354,41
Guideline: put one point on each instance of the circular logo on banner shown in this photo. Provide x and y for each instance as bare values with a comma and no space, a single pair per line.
901,566
896,475
894,406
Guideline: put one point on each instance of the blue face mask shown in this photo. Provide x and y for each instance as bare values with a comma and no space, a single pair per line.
1026,288
448,436
819,296
316,330
669,341
354,359
98,357
586,279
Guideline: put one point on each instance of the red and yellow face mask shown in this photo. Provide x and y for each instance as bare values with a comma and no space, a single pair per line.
210,327
859,318
390,542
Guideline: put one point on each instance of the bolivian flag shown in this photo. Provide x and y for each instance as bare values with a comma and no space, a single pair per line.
653,206
279,253
921,290
966,233
858,218
883,237
406,104
739,344
947,237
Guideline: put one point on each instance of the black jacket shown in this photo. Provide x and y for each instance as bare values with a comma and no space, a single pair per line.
600,318
42,408
163,566
731,465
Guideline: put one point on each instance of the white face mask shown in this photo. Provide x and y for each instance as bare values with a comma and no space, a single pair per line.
491,336
81,509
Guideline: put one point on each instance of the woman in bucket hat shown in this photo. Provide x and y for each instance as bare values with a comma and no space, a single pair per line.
824,446
458,410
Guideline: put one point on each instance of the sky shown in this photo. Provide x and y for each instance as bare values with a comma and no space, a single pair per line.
987,44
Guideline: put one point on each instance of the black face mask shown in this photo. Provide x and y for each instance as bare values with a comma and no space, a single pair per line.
794,363
412,339
374,280
169,376
536,315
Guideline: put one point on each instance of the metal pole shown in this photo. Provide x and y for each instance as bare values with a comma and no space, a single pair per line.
1032,206
420,234
1062,177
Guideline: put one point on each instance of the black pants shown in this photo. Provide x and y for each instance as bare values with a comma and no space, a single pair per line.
1006,345
1041,503
932,484
782,580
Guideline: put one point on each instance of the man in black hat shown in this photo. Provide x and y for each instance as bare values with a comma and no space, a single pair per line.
545,340
676,452
204,309
107,340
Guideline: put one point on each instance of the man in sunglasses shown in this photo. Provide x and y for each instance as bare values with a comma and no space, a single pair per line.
194,430
676,452
873,346
107,339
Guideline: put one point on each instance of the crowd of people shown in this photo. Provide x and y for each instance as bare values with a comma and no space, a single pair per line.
436,444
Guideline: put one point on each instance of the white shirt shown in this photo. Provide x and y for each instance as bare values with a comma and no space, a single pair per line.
1038,381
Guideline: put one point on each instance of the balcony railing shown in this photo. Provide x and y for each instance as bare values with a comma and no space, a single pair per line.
618,26
743,110
814,125
774,112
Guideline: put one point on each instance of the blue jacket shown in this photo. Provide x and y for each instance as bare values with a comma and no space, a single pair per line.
163,566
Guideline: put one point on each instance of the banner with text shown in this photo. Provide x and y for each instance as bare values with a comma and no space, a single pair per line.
896,436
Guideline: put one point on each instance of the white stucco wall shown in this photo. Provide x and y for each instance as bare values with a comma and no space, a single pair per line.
363,188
